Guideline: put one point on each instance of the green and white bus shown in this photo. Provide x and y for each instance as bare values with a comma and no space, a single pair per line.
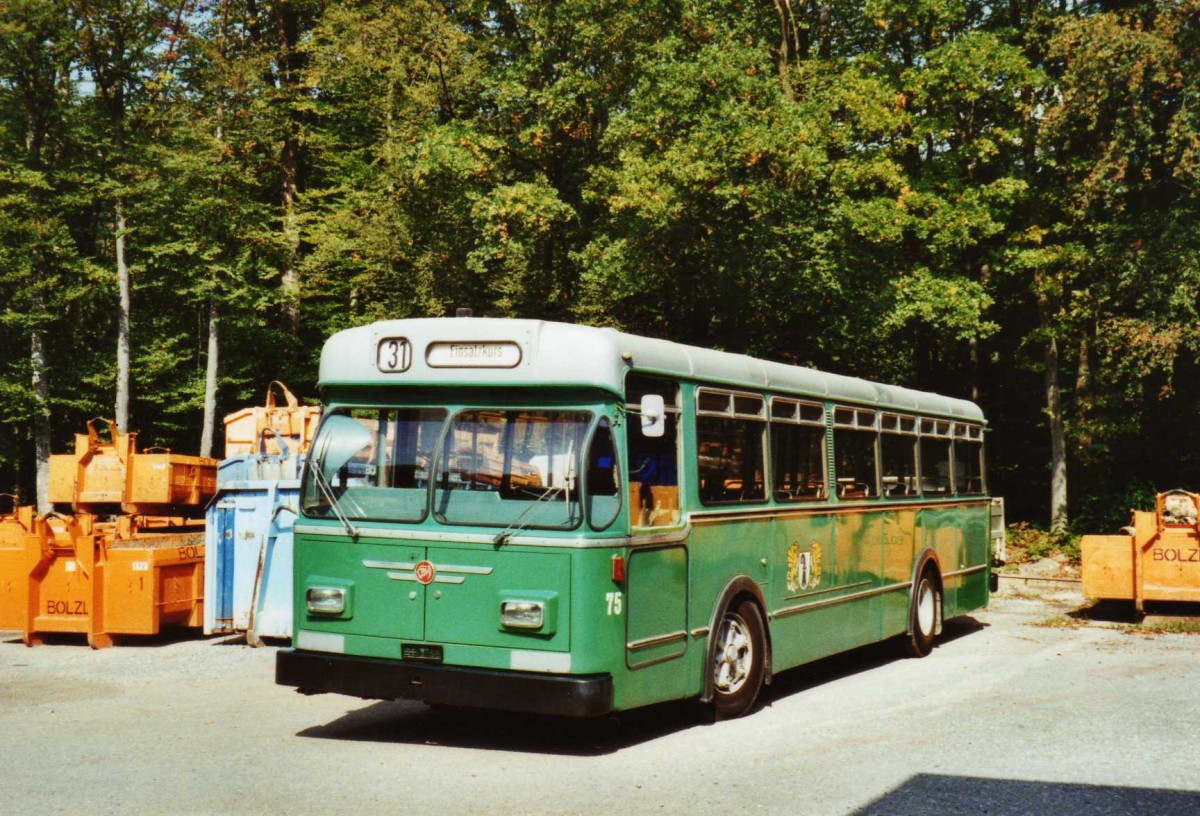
549,518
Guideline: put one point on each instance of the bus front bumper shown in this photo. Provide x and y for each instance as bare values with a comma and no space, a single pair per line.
378,679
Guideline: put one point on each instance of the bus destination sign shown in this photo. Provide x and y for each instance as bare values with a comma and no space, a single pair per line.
473,355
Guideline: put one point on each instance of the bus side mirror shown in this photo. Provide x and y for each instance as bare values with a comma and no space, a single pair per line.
654,415
342,438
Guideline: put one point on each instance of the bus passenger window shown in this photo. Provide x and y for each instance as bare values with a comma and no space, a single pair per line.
731,459
898,456
855,453
968,467
855,464
730,429
603,497
935,466
798,462
653,461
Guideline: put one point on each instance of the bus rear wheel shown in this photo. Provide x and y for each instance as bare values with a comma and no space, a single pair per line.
739,657
925,615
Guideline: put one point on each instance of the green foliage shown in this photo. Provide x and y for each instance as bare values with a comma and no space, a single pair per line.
1108,505
1026,543
934,193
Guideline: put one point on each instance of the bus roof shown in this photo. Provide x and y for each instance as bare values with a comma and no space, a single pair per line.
506,352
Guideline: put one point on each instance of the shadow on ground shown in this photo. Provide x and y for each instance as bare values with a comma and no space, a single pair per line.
1123,612
930,794
415,723
167,636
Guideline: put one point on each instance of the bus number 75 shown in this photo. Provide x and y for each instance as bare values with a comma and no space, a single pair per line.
614,603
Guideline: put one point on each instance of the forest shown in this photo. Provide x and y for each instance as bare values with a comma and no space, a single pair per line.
993,200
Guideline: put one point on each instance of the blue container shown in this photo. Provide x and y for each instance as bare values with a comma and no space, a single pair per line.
248,547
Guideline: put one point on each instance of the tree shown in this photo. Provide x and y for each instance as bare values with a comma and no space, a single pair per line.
117,42
36,248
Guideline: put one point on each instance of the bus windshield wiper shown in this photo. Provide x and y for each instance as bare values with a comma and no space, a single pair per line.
327,490
515,526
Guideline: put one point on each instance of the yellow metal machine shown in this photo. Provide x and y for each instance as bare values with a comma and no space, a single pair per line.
272,429
111,477
128,575
1158,561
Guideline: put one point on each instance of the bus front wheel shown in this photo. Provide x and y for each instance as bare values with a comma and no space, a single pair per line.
739,655
924,616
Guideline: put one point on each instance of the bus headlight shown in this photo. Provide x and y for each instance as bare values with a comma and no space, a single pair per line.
325,600
522,614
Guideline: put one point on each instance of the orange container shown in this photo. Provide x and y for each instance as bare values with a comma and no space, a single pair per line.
104,477
153,581
261,429
158,481
95,473
16,563
69,574
1159,561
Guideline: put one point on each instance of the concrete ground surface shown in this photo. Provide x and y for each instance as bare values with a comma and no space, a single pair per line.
1027,708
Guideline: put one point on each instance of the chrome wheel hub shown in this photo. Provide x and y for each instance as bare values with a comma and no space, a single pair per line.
733,657
926,608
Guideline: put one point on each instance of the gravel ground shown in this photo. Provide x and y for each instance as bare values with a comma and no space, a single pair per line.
1028,708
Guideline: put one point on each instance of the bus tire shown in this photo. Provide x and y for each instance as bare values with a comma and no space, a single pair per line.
739,658
924,615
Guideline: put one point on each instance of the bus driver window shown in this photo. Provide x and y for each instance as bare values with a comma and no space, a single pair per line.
653,461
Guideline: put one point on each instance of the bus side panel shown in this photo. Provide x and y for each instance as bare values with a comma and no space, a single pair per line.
821,561
899,550
719,552
657,636
859,556
597,615
941,532
973,591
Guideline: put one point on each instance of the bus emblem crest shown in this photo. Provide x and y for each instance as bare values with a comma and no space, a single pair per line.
425,573
803,568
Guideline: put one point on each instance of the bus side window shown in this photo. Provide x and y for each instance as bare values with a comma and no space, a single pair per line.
653,461
855,464
968,467
603,496
855,447
730,459
935,466
899,459
797,431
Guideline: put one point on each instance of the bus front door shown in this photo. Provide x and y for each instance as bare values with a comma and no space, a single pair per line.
656,634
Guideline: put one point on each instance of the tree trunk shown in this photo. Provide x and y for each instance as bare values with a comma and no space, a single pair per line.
212,365
825,30
290,283
1058,442
985,275
123,310
41,394
38,365
783,11
210,382
290,65
1083,396
1054,417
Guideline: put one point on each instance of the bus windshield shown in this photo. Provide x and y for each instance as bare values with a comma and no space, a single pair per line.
372,463
510,468
517,468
